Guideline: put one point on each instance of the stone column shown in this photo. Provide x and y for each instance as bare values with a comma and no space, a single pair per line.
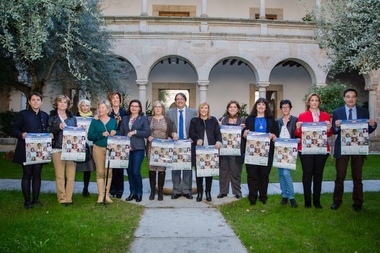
142,84
318,6
262,89
202,87
144,8
262,10
372,100
204,9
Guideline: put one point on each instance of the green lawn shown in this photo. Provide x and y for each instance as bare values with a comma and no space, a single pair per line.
86,227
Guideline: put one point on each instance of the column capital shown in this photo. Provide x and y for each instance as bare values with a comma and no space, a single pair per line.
262,84
142,83
203,83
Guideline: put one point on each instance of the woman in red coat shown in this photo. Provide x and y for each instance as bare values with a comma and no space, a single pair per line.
312,165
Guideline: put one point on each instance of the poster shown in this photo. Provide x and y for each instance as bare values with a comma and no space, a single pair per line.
285,153
38,148
161,152
74,144
314,138
118,148
181,155
257,148
85,123
354,137
207,161
231,140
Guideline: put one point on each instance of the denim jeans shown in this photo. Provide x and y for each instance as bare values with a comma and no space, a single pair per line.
286,183
134,175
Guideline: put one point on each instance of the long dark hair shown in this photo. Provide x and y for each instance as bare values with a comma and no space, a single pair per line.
267,114
141,113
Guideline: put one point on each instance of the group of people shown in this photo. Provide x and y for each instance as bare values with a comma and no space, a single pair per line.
202,129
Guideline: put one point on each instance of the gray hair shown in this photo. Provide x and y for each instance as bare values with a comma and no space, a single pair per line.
86,101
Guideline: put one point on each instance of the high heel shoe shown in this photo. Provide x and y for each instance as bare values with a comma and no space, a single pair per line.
138,198
208,196
130,197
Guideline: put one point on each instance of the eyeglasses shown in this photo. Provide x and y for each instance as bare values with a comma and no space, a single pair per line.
349,97
285,107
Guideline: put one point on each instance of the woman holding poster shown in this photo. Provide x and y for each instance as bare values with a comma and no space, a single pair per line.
31,120
136,126
161,127
286,125
98,133
312,164
231,166
58,119
204,131
260,120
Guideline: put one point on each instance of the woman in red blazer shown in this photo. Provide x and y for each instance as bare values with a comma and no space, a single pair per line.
312,165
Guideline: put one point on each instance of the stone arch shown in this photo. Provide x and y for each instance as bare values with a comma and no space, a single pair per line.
251,60
309,63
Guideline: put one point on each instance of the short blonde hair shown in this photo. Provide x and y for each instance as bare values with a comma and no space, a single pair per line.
309,98
59,98
158,102
107,104
199,109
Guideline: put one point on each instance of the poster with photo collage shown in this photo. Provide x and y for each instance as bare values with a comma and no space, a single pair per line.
257,148
181,155
85,123
231,140
161,152
38,148
354,137
285,153
314,138
207,161
118,148
74,144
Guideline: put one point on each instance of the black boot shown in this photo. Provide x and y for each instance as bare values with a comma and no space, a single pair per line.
161,181
152,181
85,192
284,201
200,196
208,196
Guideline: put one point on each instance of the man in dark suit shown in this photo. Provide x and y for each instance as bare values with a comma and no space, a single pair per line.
349,111
177,115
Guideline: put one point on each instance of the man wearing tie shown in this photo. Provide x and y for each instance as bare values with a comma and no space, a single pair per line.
349,111
181,117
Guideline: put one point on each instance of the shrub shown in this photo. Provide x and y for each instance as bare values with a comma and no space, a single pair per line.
6,121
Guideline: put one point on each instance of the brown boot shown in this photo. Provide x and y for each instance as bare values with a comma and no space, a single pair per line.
161,181
152,181
108,199
100,184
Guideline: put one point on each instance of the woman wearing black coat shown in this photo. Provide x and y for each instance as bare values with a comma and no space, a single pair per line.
204,130
31,120
260,120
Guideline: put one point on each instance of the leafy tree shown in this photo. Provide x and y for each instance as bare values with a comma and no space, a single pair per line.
349,32
59,42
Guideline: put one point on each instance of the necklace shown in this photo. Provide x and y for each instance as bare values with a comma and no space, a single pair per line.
261,122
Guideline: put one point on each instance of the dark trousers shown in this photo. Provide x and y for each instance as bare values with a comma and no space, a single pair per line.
341,164
312,167
258,180
117,184
200,184
31,173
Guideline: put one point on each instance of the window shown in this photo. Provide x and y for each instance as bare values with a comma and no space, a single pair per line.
174,13
267,16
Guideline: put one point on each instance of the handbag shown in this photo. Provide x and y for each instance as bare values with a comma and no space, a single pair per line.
88,155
